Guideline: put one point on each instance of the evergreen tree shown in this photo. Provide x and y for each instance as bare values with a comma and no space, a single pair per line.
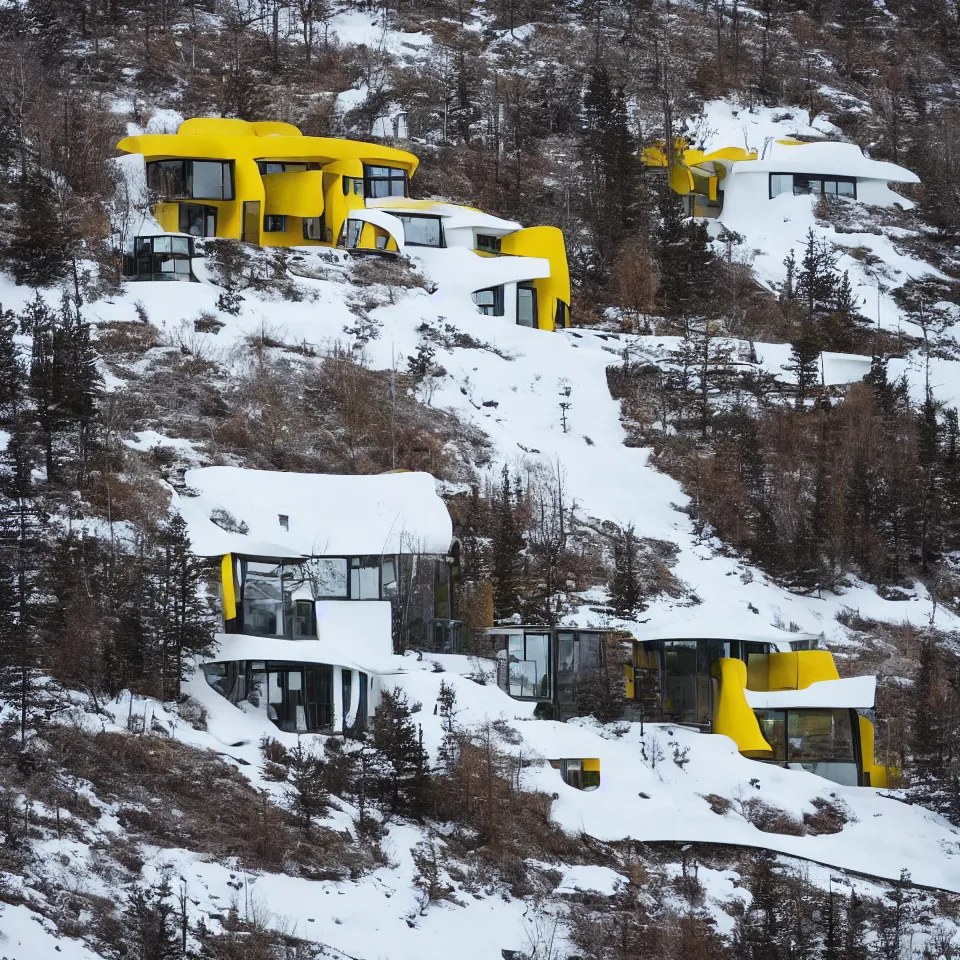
816,279
804,362
39,251
402,762
686,259
308,785
507,551
625,593
611,168
151,919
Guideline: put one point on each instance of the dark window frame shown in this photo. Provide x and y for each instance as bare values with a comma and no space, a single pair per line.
321,228
402,217
395,175
186,177
493,246
144,264
498,306
208,210
269,221
536,305
783,714
823,179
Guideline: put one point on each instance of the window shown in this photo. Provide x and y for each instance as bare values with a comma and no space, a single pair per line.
680,680
329,575
269,608
388,579
198,220
277,166
191,179
580,774
528,657
350,235
490,301
773,727
421,231
365,578
314,228
561,318
355,185
801,184
297,697
526,306
818,735
441,592
160,258
488,243
274,223
384,182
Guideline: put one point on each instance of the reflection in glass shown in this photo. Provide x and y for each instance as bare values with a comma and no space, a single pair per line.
330,574
365,578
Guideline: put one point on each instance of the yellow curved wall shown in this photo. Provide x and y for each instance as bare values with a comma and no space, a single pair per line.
732,715
547,243
294,194
229,587
879,775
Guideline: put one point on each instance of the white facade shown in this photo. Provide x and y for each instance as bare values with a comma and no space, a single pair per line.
749,190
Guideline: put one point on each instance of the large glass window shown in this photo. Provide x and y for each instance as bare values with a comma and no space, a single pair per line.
526,306
529,665
191,179
384,181
680,679
350,236
161,258
490,301
801,184
421,231
269,608
198,220
815,735
365,578
329,575
773,727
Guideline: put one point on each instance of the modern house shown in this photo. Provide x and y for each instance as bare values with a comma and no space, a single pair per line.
324,580
736,184
778,698
267,184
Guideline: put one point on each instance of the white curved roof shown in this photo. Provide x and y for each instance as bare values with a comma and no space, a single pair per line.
328,515
851,692
454,215
842,159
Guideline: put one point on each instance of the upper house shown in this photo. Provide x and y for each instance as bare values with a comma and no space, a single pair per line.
324,579
736,185
267,184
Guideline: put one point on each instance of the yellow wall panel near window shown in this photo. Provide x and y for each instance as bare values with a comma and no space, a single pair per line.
814,666
758,671
294,194
168,216
547,243
229,587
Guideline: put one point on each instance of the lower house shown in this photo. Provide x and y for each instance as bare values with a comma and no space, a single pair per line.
324,580
779,699
164,256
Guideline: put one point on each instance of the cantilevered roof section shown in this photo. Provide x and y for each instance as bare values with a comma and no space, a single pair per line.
840,159
215,138
856,693
326,515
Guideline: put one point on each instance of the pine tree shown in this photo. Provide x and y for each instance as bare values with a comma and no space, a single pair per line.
507,551
307,785
625,594
611,168
39,251
816,279
686,259
403,766
804,362
152,922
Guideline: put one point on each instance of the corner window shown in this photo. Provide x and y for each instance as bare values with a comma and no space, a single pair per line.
490,301
314,228
269,609
191,179
420,231
198,220
350,234
526,306
528,658
384,182
274,223
488,243
160,258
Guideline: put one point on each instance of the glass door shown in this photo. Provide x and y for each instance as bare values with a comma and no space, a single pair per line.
251,221
526,307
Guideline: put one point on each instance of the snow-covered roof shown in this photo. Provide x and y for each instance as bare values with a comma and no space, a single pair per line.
841,159
454,216
706,629
328,515
851,692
